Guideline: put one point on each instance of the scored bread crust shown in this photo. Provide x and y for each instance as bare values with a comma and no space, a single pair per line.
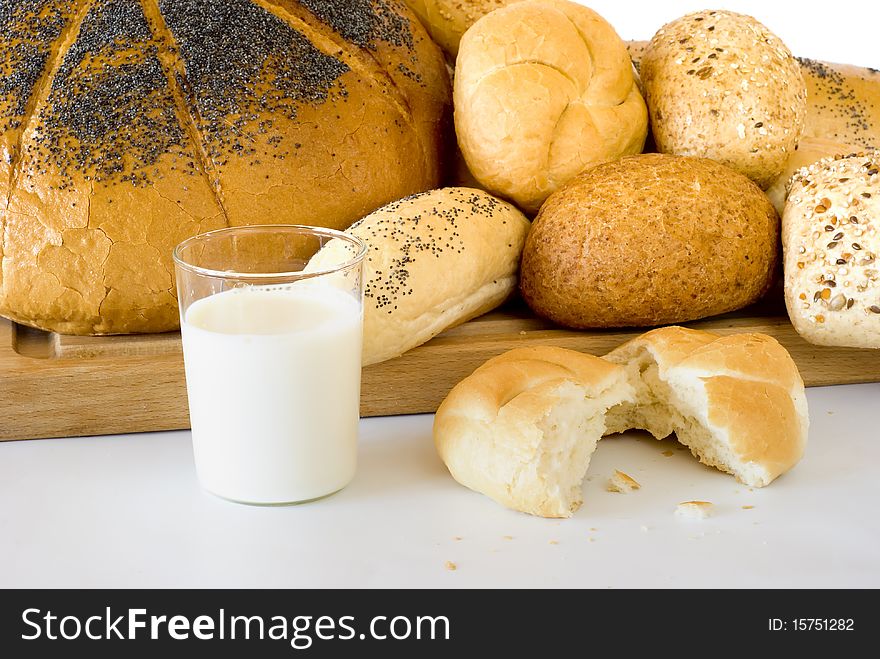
532,111
435,260
744,390
488,430
87,226
831,245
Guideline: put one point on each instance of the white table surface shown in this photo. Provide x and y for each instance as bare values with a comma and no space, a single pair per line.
127,512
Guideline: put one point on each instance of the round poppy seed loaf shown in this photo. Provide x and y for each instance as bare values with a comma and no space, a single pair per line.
126,127
650,240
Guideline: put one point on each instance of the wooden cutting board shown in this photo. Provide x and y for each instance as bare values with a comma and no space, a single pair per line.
60,386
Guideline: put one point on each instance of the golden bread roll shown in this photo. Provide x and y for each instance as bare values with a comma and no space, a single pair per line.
128,127
447,20
650,240
831,245
543,89
737,402
435,260
720,85
523,427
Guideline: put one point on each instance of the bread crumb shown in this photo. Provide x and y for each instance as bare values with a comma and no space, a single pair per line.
645,529
523,333
449,565
554,542
748,507
457,538
593,528
592,539
668,453
622,483
694,509
508,537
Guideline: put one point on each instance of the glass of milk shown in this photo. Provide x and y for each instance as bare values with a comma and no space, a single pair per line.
272,349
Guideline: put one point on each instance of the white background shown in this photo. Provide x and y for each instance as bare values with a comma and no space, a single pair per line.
127,511
832,30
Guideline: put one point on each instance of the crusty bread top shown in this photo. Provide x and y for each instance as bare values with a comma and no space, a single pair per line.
544,89
748,356
501,379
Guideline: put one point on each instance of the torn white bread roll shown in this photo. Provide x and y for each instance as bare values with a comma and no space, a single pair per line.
523,427
737,402
435,260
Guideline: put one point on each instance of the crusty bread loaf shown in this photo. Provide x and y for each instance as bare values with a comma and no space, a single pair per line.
737,402
523,427
831,242
130,126
435,260
720,85
650,240
543,89
447,20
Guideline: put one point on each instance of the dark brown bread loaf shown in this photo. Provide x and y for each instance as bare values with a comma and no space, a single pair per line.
127,125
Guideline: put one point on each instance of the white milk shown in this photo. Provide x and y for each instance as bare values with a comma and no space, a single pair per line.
273,376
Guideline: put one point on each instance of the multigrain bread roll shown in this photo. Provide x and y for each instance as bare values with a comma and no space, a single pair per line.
831,243
435,260
523,427
720,85
736,402
543,89
843,103
447,20
650,240
810,151
126,127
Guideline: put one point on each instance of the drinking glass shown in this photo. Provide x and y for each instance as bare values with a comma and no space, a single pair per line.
272,349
